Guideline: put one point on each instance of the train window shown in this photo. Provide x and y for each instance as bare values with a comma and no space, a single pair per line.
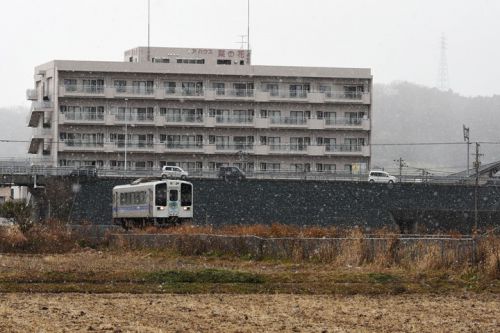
122,199
161,195
174,195
186,194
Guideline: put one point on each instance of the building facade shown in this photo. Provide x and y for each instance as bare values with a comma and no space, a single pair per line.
200,109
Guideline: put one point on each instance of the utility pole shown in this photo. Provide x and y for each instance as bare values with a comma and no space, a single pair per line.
466,139
402,164
477,163
443,77
149,19
126,134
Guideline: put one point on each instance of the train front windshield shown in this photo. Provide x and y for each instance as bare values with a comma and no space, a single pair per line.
186,194
161,194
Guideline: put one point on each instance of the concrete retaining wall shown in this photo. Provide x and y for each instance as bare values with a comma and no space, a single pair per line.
315,203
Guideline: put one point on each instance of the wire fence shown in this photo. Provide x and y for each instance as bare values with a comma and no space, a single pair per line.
396,249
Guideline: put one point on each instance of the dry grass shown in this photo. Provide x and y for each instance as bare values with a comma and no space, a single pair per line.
260,230
326,245
351,247
50,237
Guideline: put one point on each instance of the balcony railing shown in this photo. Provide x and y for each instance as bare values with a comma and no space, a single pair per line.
343,121
343,148
31,94
42,132
134,144
135,117
183,118
287,147
239,92
184,91
356,95
83,116
83,89
196,92
234,146
42,106
134,90
234,119
83,144
184,145
288,120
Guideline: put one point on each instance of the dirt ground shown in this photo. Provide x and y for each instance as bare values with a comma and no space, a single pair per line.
468,312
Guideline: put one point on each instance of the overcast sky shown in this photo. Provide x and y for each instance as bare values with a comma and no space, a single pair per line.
398,40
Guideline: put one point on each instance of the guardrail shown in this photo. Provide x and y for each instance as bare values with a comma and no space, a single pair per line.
27,169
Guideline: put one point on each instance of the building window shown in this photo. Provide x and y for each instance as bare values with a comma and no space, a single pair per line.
70,84
220,88
170,87
272,88
161,60
352,144
120,86
93,86
274,142
242,116
142,87
190,61
272,167
353,92
192,88
322,167
223,62
299,144
243,89
327,90
354,118
299,90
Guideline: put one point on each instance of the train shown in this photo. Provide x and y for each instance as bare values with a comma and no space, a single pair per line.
152,202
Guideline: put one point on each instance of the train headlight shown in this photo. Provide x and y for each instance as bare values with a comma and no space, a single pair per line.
161,208
187,208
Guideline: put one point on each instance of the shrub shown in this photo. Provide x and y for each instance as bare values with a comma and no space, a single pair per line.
18,211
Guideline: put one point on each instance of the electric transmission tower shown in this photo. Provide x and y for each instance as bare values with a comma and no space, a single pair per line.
443,77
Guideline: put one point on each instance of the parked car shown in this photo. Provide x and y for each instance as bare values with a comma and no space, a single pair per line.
84,171
170,171
230,173
381,177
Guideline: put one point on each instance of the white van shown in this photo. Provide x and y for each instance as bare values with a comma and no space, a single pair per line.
381,177
173,172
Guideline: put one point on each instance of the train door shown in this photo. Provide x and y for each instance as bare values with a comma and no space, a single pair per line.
115,204
173,202
186,195
150,203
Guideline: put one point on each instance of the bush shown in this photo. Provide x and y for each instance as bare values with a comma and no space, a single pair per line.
19,212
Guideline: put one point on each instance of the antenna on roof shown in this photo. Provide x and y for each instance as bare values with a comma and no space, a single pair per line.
248,24
149,18
242,42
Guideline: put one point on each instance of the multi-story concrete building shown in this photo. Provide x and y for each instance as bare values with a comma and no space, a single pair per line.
200,108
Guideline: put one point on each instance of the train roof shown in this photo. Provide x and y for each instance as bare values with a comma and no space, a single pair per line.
150,182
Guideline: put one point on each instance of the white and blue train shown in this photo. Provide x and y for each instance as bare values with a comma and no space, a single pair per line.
160,202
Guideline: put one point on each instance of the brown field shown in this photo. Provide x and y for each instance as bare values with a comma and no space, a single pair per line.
20,312
53,280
